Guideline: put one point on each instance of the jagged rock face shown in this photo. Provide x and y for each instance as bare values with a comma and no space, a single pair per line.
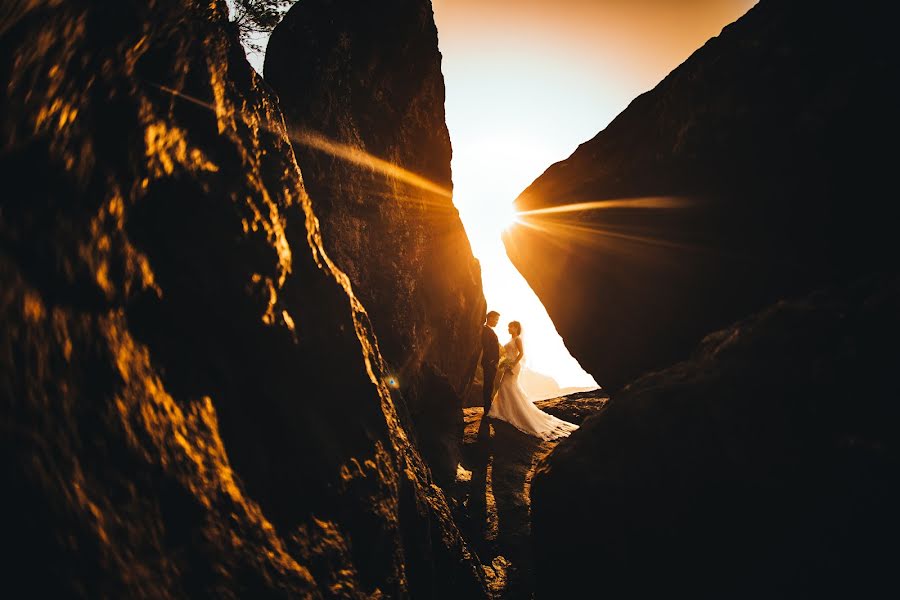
765,148
192,397
767,464
367,76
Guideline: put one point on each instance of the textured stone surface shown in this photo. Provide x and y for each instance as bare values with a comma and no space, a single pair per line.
767,147
766,465
491,498
191,396
367,77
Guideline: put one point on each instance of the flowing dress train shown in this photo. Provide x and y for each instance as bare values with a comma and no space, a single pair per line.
513,406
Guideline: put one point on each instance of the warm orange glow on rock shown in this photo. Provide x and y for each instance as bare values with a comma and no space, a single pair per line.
360,157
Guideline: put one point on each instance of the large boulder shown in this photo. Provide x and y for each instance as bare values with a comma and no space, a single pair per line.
767,465
191,397
756,170
362,92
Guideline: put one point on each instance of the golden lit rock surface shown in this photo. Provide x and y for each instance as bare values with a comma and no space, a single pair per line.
192,397
362,92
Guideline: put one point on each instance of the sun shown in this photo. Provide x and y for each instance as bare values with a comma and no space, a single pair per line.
507,216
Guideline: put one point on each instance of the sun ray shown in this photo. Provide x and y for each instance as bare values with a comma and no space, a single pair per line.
184,96
598,236
362,158
648,202
347,152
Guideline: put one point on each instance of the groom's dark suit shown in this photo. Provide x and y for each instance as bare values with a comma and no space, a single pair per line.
490,356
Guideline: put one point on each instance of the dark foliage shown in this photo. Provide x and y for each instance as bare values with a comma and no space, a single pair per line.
254,17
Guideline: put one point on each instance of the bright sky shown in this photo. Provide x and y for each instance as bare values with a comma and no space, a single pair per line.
529,80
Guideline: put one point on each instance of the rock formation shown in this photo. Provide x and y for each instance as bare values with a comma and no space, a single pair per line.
756,170
192,398
766,465
359,80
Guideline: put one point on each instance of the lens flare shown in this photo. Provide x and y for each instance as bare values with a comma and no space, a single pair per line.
183,96
362,158
351,154
660,202
553,224
507,216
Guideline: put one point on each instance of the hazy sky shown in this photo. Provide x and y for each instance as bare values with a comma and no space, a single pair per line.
529,80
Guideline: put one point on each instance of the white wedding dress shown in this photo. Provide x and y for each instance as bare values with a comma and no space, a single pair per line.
513,406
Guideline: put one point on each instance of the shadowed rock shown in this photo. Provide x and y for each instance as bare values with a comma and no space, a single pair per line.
765,466
367,77
491,498
759,172
191,395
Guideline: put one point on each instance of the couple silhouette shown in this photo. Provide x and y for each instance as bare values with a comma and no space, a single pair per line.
504,398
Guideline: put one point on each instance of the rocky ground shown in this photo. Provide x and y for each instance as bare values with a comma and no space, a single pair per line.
491,499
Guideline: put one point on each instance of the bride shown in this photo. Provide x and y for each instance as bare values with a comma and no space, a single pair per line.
513,406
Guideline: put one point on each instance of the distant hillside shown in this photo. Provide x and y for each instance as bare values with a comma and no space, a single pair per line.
540,387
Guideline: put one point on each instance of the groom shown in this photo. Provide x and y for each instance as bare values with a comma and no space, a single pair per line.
490,356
